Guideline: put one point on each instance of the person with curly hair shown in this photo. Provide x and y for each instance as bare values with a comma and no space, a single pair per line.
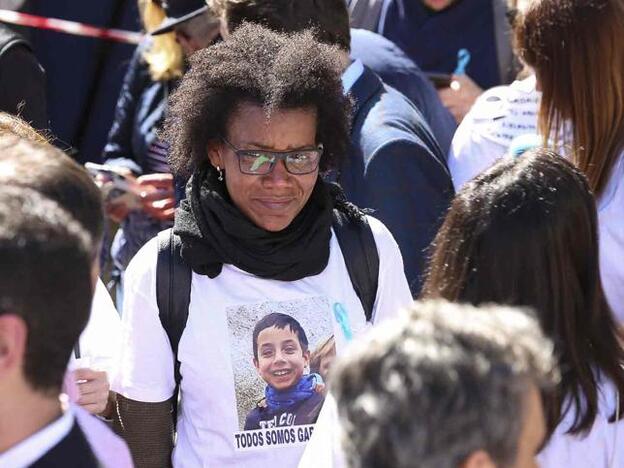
254,123
393,164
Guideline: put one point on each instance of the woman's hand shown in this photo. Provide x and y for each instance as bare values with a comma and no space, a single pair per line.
157,195
93,388
460,96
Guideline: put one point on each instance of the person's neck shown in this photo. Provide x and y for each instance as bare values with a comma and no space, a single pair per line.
23,414
345,60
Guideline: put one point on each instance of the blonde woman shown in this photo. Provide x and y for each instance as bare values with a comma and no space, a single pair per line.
176,29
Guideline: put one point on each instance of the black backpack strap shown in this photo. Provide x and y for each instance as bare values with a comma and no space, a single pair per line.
173,295
359,250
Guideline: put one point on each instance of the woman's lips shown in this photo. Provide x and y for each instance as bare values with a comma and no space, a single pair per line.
274,203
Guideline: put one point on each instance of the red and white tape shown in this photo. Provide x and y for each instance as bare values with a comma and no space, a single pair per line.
69,27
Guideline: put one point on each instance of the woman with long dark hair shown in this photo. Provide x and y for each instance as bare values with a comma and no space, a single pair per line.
525,233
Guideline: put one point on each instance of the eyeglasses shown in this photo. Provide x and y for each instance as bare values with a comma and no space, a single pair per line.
262,162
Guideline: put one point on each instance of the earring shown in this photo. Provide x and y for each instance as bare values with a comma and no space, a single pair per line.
220,174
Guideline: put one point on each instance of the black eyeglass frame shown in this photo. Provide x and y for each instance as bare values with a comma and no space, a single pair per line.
276,155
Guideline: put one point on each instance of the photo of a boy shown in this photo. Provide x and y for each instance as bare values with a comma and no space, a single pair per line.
322,359
281,358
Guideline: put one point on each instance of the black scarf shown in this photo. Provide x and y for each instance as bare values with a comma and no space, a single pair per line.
213,231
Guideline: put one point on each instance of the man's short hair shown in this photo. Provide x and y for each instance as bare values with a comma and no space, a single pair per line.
329,18
45,263
280,321
49,171
440,383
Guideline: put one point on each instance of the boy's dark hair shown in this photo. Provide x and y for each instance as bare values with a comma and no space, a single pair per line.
329,18
47,170
258,66
44,279
280,321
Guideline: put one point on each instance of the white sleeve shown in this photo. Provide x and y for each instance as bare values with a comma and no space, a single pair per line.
101,338
324,447
146,362
393,291
471,153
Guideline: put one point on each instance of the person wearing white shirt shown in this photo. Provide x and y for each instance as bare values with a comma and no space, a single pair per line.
590,133
525,233
269,278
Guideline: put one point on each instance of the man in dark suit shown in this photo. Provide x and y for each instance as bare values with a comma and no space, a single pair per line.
45,296
395,166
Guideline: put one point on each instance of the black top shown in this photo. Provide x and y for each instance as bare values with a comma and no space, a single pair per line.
22,80
71,452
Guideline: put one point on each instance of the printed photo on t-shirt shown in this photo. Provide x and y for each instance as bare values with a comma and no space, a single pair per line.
281,355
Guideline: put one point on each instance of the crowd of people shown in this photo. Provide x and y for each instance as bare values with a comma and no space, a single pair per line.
348,234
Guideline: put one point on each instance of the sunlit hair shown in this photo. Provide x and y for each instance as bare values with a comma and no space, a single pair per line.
13,125
164,55
575,48
525,233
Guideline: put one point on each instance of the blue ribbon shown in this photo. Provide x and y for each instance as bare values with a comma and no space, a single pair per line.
343,320
463,59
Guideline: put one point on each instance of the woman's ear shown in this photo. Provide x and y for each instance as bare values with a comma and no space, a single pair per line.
213,149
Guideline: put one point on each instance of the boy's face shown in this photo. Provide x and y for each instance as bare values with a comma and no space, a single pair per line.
281,360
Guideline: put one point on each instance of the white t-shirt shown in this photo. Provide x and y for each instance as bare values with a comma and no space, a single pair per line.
100,341
505,112
325,447
602,447
221,390
497,117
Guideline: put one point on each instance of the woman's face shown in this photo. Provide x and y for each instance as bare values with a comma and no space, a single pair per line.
273,200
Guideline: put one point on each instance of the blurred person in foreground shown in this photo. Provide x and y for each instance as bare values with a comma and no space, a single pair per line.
176,29
430,390
524,233
27,160
38,166
45,294
393,165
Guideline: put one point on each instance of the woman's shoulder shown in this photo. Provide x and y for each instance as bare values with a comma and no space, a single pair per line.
141,271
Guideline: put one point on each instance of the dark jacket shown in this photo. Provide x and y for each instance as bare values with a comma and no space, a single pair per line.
139,113
301,413
22,80
432,40
397,70
72,451
395,167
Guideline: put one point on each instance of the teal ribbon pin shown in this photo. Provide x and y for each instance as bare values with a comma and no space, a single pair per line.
463,59
343,320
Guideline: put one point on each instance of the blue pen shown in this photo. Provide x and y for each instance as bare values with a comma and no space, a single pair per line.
463,59
343,320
